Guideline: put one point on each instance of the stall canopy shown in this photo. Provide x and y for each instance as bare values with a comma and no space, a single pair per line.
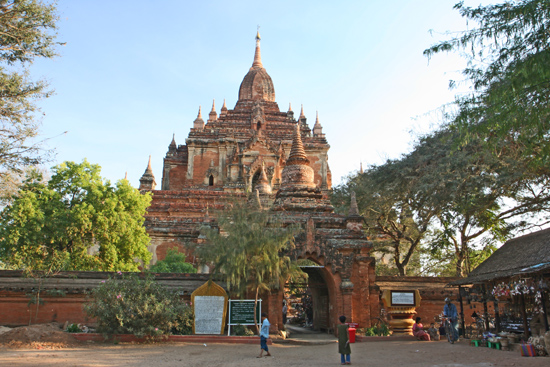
525,255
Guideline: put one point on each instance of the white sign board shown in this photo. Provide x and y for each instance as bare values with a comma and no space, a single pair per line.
402,298
208,314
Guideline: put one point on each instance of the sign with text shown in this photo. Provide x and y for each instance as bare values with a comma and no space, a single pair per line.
210,307
403,298
242,312
209,314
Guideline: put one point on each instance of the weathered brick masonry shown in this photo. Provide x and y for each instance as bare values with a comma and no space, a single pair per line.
256,148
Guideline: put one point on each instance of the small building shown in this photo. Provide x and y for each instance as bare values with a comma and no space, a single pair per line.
516,279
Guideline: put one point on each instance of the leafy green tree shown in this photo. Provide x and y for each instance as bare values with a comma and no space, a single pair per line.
174,262
75,221
397,214
508,51
27,32
483,198
248,249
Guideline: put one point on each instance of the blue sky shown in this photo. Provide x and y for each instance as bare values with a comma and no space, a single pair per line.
135,72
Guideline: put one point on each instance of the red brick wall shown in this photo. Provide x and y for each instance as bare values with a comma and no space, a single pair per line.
16,311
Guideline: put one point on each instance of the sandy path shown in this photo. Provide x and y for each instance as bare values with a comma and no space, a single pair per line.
407,354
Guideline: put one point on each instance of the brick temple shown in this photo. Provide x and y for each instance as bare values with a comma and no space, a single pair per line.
257,152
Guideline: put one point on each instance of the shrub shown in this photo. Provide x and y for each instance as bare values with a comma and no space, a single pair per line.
139,306
73,328
376,330
174,262
241,330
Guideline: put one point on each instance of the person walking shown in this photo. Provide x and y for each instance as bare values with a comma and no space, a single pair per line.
285,310
264,335
343,341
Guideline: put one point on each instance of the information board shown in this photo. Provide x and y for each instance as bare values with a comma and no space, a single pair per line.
402,298
208,314
242,312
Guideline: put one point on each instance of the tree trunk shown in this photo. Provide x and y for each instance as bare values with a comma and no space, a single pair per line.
255,314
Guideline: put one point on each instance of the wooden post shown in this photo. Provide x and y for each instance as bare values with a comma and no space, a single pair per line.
461,311
497,315
544,310
485,309
524,315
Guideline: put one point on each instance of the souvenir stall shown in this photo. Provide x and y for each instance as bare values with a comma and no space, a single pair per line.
515,282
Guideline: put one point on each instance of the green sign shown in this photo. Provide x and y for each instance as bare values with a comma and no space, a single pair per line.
242,312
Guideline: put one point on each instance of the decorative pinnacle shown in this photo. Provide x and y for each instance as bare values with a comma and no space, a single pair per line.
353,210
290,107
199,116
213,105
302,112
297,153
257,54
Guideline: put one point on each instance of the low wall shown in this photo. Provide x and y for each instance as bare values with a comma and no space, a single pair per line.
63,295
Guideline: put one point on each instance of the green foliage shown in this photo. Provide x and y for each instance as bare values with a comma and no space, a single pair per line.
75,221
174,262
376,330
241,330
141,307
508,51
27,32
248,250
73,328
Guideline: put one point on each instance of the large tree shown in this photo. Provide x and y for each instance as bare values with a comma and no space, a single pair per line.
508,51
247,248
397,214
27,32
75,221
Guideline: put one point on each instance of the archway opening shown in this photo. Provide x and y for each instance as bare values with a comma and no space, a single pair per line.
211,180
309,302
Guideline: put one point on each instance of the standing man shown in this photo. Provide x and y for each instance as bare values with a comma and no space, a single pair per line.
264,334
285,310
450,312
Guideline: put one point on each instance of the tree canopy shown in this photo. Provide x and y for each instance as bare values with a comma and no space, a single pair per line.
508,53
248,249
75,221
27,32
174,262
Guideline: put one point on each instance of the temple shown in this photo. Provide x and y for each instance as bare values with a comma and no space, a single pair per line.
255,150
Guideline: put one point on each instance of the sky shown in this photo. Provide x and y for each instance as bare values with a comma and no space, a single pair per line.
134,72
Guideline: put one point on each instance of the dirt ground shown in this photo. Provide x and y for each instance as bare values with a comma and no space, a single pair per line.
44,346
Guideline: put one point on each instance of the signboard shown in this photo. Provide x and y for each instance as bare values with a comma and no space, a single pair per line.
209,314
403,298
210,307
241,312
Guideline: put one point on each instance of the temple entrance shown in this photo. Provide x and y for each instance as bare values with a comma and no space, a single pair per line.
309,303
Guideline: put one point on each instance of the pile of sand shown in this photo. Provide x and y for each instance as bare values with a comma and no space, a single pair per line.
43,336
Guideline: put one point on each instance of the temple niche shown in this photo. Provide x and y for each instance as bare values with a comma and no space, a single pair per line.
255,148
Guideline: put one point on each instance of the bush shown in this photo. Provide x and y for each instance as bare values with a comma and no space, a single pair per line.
241,330
141,307
173,263
73,328
376,330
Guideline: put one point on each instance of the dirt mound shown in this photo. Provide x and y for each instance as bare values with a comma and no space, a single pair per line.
43,336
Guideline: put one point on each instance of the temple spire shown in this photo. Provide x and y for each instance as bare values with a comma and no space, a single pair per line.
199,122
257,55
302,113
147,180
353,210
297,153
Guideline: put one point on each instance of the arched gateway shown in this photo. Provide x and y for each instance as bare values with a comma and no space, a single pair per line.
257,147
